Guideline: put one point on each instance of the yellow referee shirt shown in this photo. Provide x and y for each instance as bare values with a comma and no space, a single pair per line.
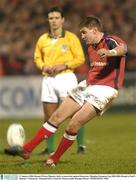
65,50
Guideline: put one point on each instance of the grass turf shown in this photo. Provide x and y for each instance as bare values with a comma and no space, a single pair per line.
110,142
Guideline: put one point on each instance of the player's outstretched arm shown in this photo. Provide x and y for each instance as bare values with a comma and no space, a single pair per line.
117,51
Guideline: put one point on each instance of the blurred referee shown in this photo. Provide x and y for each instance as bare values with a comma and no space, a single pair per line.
58,52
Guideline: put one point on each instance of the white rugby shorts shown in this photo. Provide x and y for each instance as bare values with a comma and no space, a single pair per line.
55,88
99,96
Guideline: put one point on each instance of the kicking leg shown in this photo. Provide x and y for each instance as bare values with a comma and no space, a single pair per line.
65,110
86,113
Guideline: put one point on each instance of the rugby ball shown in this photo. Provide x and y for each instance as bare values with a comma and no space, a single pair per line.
16,135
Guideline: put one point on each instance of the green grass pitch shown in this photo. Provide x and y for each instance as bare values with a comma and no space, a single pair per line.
110,141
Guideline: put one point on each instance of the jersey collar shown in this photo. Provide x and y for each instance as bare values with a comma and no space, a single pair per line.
96,45
62,34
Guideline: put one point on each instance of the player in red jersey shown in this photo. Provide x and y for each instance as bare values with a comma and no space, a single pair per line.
92,96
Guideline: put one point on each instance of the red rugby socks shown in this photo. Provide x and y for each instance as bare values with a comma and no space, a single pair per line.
43,133
66,142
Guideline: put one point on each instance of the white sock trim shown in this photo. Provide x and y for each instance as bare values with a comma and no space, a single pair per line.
70,137
49,127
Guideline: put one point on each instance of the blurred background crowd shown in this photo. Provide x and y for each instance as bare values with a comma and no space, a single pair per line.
22,22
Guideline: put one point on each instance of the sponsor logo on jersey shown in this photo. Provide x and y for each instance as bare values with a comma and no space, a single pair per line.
64,48
95,63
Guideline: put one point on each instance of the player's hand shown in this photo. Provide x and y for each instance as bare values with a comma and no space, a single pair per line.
47,69
58,68
103,53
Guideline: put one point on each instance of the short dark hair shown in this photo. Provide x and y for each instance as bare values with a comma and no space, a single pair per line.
56,9
91,21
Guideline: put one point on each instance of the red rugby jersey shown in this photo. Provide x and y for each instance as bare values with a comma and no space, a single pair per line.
108,71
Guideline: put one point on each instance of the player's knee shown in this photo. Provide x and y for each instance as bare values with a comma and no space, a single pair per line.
56,118
73,127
